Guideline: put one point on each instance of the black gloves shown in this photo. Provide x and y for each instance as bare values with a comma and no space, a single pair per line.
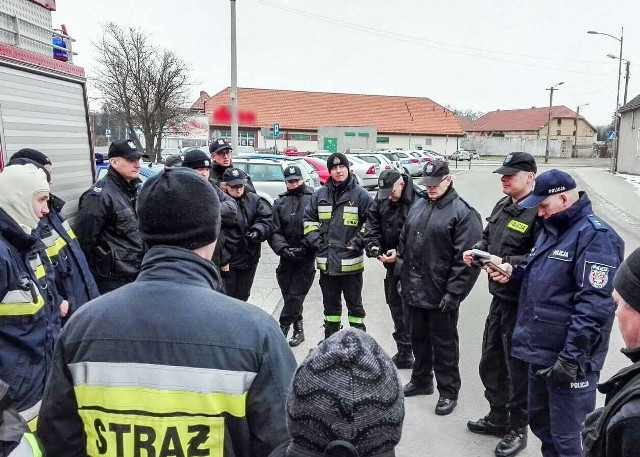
449,303
372,249
252,236
293,253
562,372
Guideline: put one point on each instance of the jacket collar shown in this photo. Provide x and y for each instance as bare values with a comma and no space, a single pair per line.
408,193
14,234
443,201
294,450
303,189
170,263
56,203
633,354
130,188
563,220
618,380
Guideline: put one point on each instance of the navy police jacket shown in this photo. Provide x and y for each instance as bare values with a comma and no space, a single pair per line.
29,316
74,281
565,300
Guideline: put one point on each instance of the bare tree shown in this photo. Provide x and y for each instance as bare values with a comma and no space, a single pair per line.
144,82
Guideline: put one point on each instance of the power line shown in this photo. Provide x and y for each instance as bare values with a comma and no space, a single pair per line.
425,42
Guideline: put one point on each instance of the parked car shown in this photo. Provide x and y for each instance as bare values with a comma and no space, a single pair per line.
385,164
366,173
410,165
393,158
423,156
460,155
320,166
267,175
474,155
310,169
290,151
434,154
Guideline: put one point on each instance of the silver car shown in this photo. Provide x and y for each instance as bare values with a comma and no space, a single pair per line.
366,173
411,165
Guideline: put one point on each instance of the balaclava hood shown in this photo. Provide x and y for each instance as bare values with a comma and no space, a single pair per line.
18,185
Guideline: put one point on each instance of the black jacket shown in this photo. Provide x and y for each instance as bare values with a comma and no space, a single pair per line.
510,233
253,214
13,429
215,176
179,366
286,225
433,238
291,449
107,228
386,219
619,428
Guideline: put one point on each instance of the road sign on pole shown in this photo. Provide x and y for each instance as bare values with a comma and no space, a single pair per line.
276,130
612,135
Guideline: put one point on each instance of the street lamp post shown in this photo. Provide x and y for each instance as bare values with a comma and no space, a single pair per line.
234,82
627,64
550,89
614,156
575,133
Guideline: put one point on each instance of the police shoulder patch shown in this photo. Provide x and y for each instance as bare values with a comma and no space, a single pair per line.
598,275
597,223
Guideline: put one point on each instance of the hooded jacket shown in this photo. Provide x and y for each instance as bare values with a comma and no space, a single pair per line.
15,437
74,280
29,315
334,220
159,367
287,225
434,236
565,305
107,228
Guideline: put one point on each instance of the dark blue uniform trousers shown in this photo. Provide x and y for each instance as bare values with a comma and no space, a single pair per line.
556,412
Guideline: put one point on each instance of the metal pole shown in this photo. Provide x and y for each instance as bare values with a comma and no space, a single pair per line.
626,83
234,82
614,158
546,152
575,133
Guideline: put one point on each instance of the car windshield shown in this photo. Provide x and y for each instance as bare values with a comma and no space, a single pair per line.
390,156
370,159
266,172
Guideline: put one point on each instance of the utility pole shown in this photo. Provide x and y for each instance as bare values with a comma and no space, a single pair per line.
575,133
234,82
626,82
550,89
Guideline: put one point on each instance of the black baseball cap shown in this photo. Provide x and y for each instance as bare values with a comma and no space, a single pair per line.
124,148
292,172
549,183
219,145
517,161
433,172
385,183
234,176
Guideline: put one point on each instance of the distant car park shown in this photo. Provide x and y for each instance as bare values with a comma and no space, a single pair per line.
410,165
366,173
461,155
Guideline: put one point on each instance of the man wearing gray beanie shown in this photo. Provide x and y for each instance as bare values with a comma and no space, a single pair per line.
345,400
159,364
614,430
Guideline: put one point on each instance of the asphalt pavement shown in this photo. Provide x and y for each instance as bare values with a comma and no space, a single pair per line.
424,433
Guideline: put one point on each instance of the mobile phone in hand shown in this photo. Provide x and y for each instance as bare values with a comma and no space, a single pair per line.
493,266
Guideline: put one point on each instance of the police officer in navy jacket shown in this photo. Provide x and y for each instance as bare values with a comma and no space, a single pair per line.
566,310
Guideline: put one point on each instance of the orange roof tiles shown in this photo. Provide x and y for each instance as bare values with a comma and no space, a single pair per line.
310,110
518,120
198,105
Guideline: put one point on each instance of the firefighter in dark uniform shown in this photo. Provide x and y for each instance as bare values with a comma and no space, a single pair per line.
29,301
107,225
74,280
565,311
296,270
243,240
435,280
333,225
167,365
385,220
510,234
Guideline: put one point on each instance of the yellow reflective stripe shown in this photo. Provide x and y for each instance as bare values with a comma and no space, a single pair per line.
69,230
517,226
350,219
21,308
350,209
354,261
160,401
310,227
114,434
349,268
31,414
324,212
55,248
332,318
37,267
356,320
28,447
321,263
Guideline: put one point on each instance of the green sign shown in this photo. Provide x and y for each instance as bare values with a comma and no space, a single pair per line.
331,144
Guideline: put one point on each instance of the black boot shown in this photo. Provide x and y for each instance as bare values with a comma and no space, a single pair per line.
404,358
513,442
298,334
330,328
495,423
359,326
285,329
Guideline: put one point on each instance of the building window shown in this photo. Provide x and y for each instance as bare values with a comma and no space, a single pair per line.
301,136
349,133
363,134
427,141
574,133
559,121
558,132
382,139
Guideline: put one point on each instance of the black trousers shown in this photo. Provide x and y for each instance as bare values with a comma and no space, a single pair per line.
333,287
436,348
504,377
295,278
238,282
399,314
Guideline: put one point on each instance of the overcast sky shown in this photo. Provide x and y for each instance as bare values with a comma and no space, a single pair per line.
482,56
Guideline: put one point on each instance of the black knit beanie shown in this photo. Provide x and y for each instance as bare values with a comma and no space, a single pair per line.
346,389
178,208
337,158
627,280
32,154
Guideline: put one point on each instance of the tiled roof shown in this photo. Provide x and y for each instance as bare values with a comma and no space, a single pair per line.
198,105
634,104
310,110
518,120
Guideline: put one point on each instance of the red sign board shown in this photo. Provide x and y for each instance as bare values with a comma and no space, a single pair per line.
222,115
48,4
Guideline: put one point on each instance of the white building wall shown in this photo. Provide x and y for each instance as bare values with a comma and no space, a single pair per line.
442,144
629,147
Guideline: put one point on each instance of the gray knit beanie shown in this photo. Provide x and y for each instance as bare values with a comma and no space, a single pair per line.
346,389
627,280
